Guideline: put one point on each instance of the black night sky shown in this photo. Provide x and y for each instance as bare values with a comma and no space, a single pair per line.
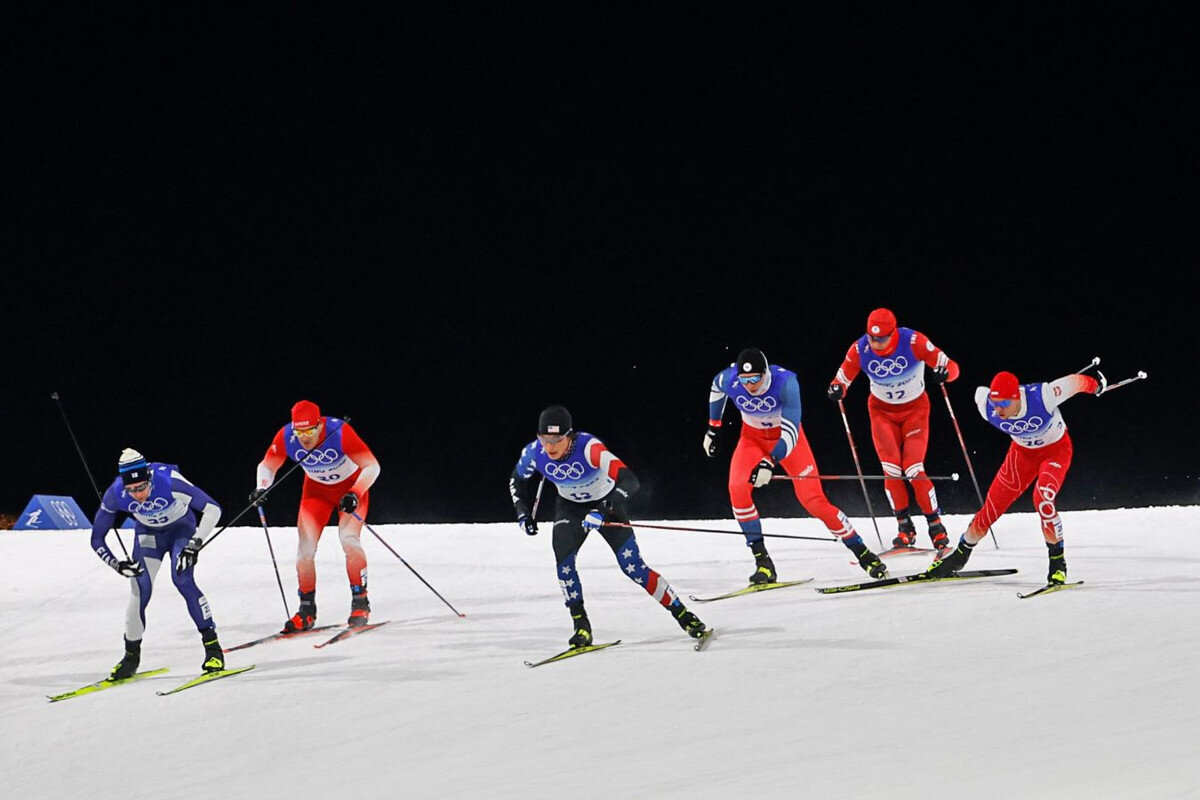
437,223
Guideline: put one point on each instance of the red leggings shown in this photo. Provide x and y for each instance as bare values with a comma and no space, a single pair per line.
1045,467
317,503
752,447
901,436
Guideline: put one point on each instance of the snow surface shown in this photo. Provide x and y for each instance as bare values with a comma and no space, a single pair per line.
949,690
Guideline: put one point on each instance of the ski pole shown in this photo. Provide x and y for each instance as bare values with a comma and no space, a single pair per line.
262,516
405,563
858,468
54,396
713,530
953,476
1094,362
277,481
1141,376
967,456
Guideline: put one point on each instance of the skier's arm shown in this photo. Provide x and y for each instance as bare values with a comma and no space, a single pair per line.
934,357
1057,392
520,485
789,425
358,452
102,523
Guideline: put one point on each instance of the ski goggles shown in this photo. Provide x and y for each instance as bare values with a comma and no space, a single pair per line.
308,431
749,379
134,488
879,339
1003,403
546,438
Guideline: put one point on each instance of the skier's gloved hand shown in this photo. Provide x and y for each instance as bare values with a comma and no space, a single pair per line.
528,525
593,520
129,569
256,497
1101,384
349,502
760,476
835,392
710,440
940,374
189,555
612,502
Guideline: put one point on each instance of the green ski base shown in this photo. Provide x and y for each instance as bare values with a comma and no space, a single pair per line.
751,589
105,684
1048,588
206,678
571,653
918,578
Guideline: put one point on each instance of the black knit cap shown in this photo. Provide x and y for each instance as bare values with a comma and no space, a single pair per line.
554,421
751,360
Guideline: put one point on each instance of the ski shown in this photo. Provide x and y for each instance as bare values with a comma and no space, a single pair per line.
104,684
703,641
751,589
571,652
347,632
1050,587
206,677
900,551
275,636
918,578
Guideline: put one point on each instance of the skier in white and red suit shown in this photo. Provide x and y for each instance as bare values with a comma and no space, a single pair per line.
894,360
1040,453
339,469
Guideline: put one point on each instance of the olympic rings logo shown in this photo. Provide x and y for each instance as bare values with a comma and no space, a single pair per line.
756,403
572,470
1023,425
328,456
883,368
148,506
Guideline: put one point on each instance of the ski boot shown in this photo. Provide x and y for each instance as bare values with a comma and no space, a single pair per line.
583,628
871,563
765,572
360,607
305,616
907,533
1057,574
129,662
214,659
939,537
688,621
952,562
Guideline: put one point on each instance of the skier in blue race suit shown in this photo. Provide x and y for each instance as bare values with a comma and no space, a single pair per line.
161,502
593,487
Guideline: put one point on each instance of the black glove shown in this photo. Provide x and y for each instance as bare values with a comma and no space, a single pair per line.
528,524
349,502
710,440
611,503
256,497
835,392
129,569
760,476
189,555
940,374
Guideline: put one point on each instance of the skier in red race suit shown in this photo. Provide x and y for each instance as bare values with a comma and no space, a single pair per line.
894,360
339,469
1040,453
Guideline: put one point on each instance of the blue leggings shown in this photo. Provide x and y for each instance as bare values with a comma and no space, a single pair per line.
151,547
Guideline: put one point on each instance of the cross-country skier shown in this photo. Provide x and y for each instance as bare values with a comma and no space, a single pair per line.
593,486
339,470
768,398
1040,453
894,359
163,505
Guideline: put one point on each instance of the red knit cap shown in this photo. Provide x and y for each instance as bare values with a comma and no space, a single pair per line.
305,414
1005,386
881,322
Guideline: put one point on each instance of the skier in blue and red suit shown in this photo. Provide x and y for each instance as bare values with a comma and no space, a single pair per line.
768,397
593,486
